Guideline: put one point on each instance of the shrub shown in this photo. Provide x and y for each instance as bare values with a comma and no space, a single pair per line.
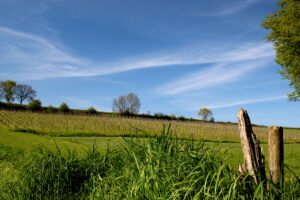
51,109
64,108
181,118
35,105
91,110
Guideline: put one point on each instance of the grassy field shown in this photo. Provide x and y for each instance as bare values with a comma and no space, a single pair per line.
154,168
83,125
128,167
232,152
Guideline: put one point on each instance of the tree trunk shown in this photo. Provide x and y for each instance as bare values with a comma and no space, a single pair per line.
253,158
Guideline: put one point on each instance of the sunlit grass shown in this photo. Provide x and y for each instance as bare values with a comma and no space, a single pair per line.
162,167
83,125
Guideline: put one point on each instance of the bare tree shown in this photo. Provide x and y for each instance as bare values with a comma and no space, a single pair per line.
133,103
24,92
130,103
119,104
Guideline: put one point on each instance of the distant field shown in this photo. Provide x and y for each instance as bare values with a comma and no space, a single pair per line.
84,125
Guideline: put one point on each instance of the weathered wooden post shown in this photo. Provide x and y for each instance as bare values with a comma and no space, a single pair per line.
253,158
276,154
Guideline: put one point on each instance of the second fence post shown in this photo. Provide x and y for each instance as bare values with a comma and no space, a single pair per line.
276,154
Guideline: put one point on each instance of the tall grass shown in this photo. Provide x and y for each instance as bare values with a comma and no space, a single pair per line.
83,125
160,167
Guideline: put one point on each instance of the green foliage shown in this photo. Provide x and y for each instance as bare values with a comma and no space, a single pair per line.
91,110
51,109
181,118
7,90
11,106
64,108
285,34
35,105
205,114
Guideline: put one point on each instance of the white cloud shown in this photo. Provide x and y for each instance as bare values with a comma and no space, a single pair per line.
246,102
194,102
229,8
211,76
30,56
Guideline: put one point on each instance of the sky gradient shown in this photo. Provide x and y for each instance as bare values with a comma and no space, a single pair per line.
177,56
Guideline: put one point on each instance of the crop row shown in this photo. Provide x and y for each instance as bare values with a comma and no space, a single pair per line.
87,125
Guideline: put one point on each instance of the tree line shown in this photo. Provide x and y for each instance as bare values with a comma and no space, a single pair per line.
10,90
124,105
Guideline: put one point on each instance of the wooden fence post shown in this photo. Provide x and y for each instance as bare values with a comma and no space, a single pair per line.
253,158
276,154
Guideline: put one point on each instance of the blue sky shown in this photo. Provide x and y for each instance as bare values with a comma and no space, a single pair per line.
177,56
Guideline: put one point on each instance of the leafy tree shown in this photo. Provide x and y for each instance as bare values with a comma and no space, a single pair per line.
64,108
51,109
24,92
205,114
285,34
91,110
7,90
127,104
35,105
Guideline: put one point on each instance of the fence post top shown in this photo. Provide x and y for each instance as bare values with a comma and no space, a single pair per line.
275,128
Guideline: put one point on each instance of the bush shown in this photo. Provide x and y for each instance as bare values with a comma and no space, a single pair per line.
12,106
91,110
35,105
64,108
181,118
51,109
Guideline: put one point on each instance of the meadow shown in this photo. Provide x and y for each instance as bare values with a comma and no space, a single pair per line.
57,156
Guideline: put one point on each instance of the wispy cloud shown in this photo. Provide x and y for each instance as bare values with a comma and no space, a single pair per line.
30,56
229,8
211,76
246,102
193,103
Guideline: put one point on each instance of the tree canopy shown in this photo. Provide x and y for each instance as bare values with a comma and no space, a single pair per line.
285,34
205,114
35,105
7,90
64,108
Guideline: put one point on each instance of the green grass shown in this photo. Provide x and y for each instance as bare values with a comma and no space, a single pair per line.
28,141
162,167
232,152
36,164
